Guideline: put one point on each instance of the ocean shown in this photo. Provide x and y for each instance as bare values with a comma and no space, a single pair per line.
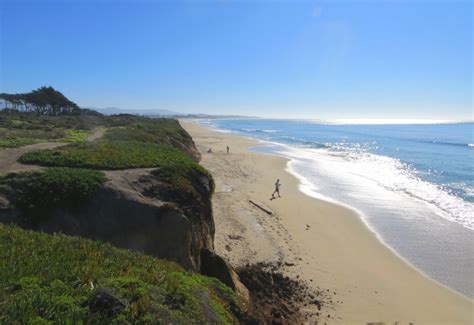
412,184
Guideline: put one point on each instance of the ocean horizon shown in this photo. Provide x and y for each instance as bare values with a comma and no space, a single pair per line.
412,184
346,121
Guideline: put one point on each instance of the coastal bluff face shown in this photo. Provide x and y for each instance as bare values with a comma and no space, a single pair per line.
133,209
138,186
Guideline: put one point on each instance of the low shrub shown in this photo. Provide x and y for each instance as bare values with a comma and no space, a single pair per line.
51,187
8,142
73,135
68,280
30,128
162,131
110,155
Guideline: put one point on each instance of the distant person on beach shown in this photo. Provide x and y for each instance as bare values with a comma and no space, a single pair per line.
228,149
277,189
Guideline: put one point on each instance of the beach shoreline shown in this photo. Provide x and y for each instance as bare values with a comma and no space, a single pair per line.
269,147
326,244
306,190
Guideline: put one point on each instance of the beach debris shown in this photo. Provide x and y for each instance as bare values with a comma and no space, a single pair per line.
280,299
261,208
236,237
289,264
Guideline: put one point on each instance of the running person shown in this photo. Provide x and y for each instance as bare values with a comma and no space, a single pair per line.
277,189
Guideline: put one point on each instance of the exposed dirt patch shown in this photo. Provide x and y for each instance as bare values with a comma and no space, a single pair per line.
97,134
9,156
276,298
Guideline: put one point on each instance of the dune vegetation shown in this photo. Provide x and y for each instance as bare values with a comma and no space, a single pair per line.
53,278
46,279
38,190
109,155
20,129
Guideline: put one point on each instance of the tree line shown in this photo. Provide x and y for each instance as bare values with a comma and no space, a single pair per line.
42,101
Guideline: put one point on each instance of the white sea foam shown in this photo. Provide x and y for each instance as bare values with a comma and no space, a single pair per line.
210,125
260,130
370,177
221,130
424,223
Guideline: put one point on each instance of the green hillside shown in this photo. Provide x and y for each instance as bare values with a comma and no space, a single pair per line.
46,279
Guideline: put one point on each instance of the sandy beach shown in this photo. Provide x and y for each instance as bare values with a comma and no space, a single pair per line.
324,244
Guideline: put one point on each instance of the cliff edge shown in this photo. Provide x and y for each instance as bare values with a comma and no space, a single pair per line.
138,187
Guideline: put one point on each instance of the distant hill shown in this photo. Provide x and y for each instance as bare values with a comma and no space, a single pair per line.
161,113
49,101
210,116
146,112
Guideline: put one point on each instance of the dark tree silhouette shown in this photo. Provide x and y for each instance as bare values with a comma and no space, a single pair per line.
42,101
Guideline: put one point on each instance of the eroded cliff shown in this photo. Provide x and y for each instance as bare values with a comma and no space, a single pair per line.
164,210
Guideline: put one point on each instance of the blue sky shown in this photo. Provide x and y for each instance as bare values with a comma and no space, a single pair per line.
315,59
